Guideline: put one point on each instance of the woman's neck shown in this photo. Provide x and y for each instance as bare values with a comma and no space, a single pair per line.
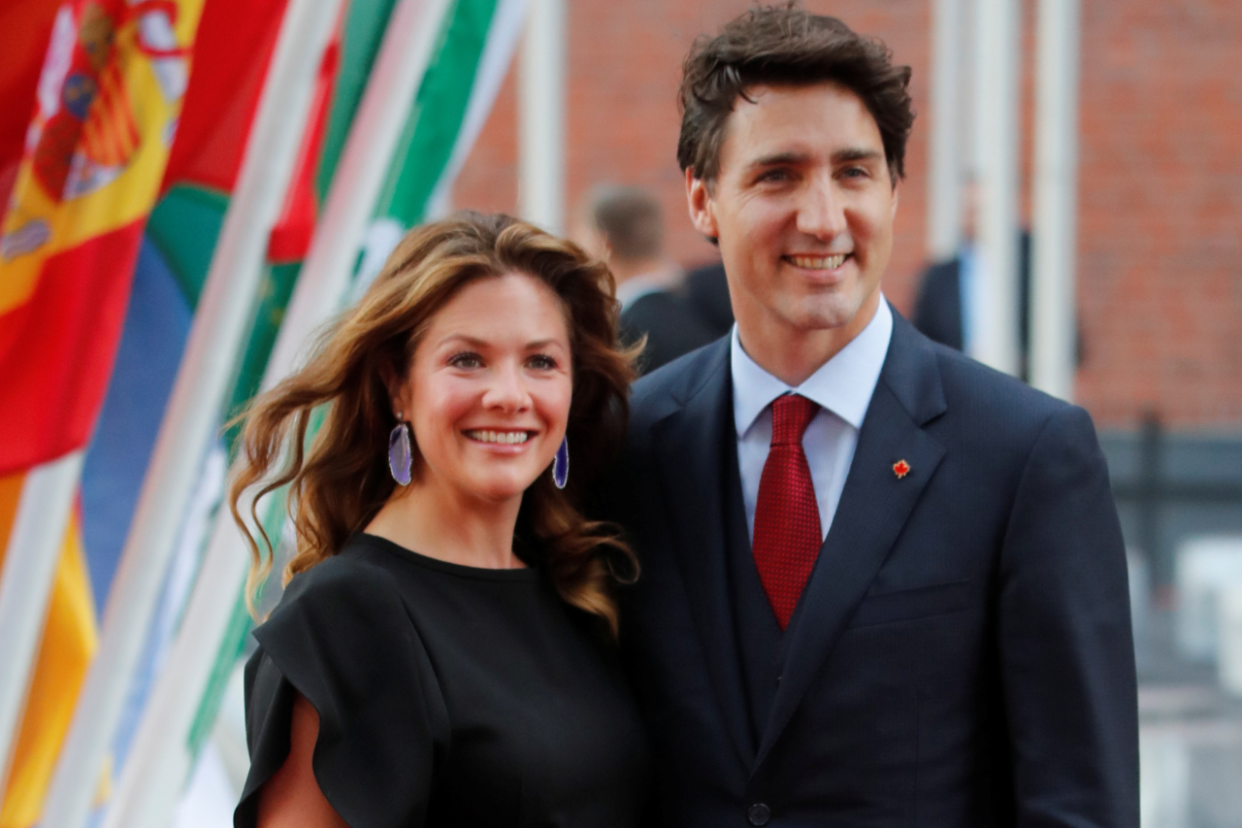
441,523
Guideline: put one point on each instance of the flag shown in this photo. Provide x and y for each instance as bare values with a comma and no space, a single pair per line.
452,105
108,98
69,641
101,115
25,26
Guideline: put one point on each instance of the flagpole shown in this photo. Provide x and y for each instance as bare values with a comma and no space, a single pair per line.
1053,318
541,116
944,185
26,585
997,96
159,761
202,381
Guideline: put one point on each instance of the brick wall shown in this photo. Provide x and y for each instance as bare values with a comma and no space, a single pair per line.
1160,264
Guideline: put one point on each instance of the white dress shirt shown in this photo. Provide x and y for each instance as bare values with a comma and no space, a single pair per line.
842,387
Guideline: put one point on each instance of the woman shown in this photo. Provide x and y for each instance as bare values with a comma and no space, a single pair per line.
442,655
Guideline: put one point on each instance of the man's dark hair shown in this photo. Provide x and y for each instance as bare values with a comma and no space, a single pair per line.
630,219
786,46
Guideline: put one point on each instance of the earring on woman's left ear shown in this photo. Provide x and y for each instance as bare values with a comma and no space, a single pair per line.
400,452
560,465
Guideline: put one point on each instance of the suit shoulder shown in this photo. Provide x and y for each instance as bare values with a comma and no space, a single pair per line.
667,387
991,394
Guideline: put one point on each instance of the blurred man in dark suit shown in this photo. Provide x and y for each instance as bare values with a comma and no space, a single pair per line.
624,226
707,291
950,294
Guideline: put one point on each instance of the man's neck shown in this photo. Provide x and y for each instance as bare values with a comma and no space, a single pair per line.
793,356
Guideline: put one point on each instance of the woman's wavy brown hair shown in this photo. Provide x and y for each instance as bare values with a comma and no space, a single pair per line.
339,483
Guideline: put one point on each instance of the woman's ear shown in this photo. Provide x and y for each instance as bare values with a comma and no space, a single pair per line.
394,386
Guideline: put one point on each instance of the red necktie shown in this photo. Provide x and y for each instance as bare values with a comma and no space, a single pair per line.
787,531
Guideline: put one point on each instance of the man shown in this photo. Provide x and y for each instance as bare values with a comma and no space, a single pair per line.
625,227
882,585
950,296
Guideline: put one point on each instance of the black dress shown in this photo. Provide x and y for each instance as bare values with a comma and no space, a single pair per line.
447,696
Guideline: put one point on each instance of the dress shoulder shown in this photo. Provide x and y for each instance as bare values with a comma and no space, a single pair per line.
342,638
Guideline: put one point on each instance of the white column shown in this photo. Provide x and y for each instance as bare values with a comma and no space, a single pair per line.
159,762
997,49
541,116
1054,237
945,146
30,561
198,395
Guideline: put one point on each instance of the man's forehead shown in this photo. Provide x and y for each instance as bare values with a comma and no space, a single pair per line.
804,120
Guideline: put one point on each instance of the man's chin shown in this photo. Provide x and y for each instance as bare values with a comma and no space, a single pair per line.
820,315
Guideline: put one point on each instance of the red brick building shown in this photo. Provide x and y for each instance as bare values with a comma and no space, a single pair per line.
1160,236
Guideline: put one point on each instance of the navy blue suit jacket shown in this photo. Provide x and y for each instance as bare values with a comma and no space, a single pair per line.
962,653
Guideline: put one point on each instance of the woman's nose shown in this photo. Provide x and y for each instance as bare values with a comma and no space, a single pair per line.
507,389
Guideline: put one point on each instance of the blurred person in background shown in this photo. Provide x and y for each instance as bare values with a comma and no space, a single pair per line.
882,584
951,292
707,291
445,651
624,226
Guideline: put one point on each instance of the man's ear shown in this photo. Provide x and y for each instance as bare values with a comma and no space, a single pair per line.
702,208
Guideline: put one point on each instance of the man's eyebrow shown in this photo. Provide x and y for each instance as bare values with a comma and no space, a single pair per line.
777,159
843,156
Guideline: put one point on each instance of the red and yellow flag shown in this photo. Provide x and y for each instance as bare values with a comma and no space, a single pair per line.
107,103
105,106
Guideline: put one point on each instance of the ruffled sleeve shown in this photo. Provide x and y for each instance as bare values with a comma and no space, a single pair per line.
342,638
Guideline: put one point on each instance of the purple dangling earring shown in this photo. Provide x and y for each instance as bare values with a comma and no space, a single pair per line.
400,453
560,465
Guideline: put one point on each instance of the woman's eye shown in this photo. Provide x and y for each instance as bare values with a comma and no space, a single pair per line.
542,362
465,360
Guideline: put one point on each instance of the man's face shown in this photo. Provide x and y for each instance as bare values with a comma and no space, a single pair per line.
803,209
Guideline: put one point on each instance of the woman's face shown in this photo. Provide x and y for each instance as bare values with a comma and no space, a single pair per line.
489,389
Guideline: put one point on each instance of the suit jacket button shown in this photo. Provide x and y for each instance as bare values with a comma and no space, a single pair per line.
759,814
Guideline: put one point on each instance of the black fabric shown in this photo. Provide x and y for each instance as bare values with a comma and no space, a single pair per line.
938,306
962,652
759,636
447,696
670,324
707,290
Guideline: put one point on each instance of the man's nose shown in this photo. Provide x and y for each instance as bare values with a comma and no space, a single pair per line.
821,212
507,389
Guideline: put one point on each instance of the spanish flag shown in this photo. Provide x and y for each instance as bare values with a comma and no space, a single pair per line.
105,107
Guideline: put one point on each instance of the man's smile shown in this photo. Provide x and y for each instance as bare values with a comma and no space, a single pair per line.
818,262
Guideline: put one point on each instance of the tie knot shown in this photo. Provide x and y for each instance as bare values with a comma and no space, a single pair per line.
791,414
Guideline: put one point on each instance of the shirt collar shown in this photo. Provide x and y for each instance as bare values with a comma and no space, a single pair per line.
653,281
843,384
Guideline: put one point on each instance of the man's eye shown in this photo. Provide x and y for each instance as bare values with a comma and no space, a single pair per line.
855,172
466,359
542,362
774,175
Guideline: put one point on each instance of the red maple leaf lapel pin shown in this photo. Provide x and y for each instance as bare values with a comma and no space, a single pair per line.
901,468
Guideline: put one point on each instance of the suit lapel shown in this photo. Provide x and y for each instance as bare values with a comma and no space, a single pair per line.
874,506
690,445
